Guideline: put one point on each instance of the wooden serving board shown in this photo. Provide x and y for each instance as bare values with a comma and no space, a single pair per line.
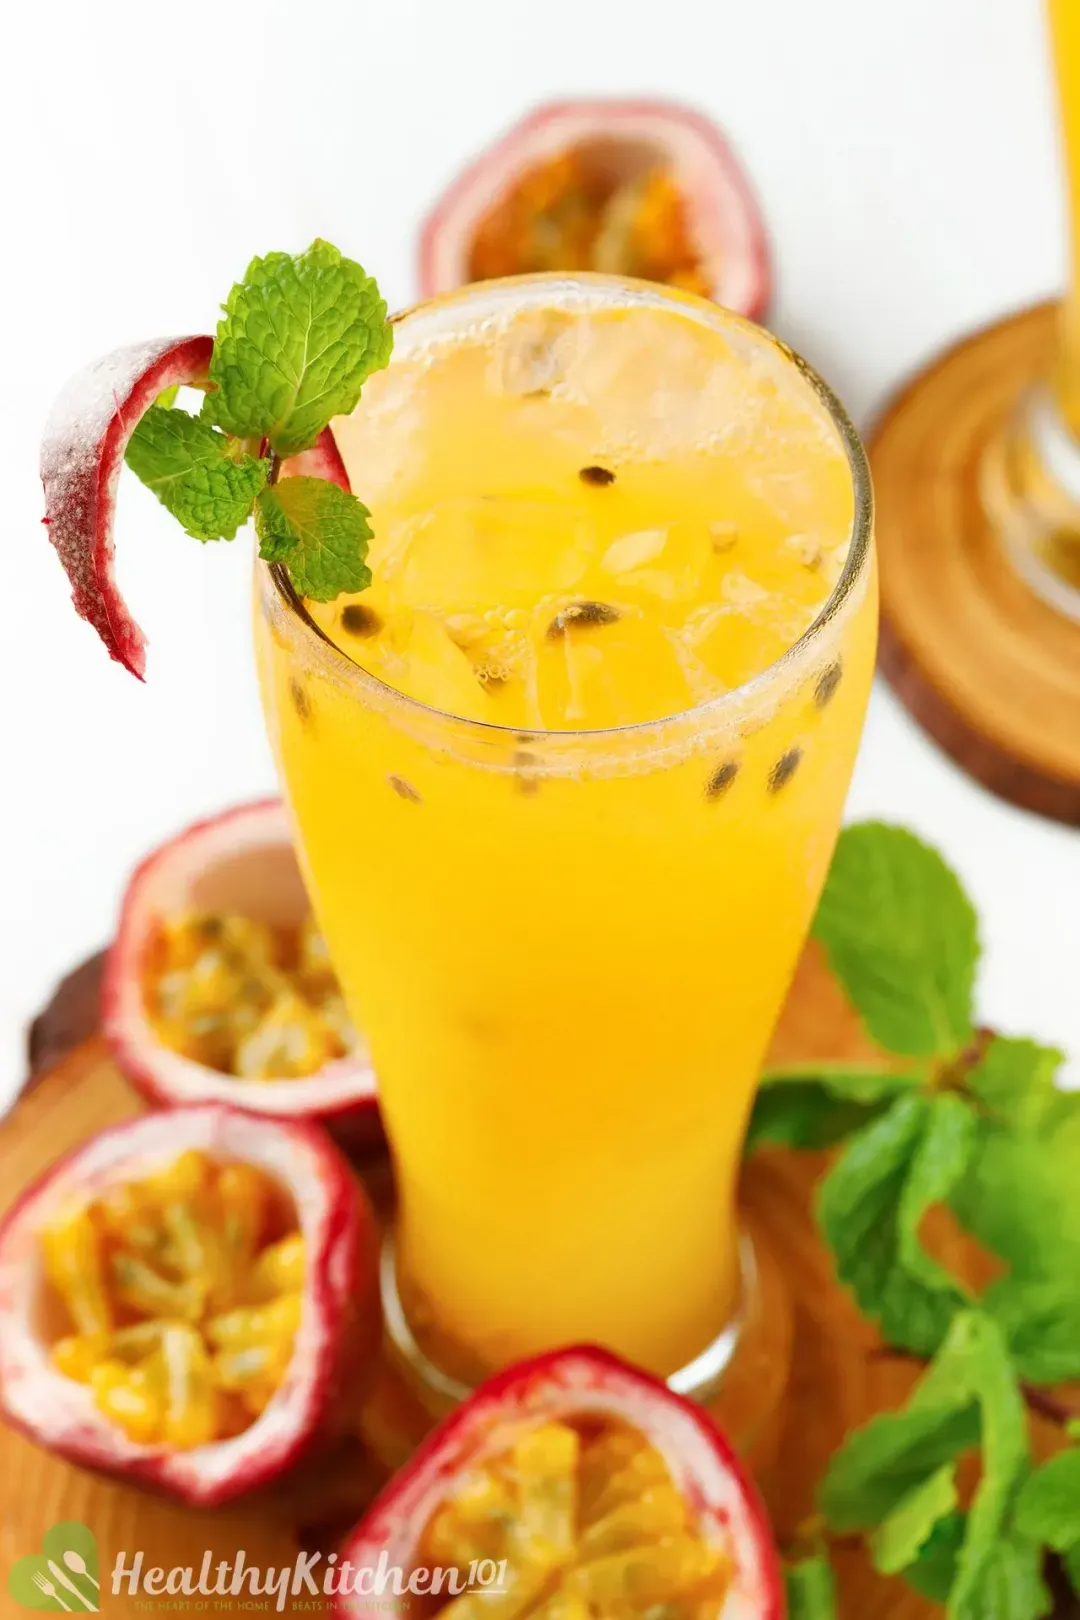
840,1376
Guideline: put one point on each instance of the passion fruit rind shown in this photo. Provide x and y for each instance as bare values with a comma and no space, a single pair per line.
243,857
334,1344
82,455
582,1384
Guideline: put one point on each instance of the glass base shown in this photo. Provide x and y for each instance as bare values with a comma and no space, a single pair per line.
740,1378
1030,485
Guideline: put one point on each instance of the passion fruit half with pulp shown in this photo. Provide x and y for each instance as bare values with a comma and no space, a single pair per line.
187,1300
578,1487
636,188
218,988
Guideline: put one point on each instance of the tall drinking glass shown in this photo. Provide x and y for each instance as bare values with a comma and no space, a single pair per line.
567,935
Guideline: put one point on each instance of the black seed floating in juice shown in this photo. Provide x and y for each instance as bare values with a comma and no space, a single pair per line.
598,477
784,769
827,682
300,702
525,765
722,779
582,616
360,621
404,790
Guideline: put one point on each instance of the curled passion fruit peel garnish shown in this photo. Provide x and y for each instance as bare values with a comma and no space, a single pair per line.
184,1298
297,339
603,1492
636,188
217,987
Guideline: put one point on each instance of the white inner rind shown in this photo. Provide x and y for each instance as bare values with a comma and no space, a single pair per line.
62,1413
576,1384
244,862
722,214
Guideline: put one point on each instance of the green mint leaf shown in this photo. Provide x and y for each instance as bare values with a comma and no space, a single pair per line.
1048,1505
1071,1561
167,397
901,935
900,1538
1020,1195
933,1572
319,532
299,336
1040,1318
881,1464
998,1570
817,1105
871,1206
1010,1584
1014,1080
811,1590
969,1394
192,470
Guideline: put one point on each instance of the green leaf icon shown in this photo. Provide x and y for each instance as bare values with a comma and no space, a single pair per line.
63,1576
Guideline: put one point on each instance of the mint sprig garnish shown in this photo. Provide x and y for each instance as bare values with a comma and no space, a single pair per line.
192,469
319,532
299,336
973,1122
297,340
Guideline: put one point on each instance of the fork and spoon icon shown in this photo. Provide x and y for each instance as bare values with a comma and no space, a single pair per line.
76,1563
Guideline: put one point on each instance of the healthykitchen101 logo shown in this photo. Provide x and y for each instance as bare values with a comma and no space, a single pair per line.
63,1576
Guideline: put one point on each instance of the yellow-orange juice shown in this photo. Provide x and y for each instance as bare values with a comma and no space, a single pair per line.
564,799
1065,37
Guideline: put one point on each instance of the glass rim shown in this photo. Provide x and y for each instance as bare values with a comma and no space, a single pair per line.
722,703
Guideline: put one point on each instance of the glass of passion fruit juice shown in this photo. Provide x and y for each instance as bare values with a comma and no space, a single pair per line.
566,780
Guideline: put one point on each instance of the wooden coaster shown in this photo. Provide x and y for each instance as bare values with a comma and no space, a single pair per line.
841,1373
990,670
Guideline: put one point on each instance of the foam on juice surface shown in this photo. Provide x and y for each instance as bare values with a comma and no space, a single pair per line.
590,517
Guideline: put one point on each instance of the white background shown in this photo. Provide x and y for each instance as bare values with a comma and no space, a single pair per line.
904,153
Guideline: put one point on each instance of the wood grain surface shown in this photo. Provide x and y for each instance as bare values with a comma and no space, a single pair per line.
989,669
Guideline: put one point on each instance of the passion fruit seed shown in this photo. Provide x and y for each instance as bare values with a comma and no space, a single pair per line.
827,682
359,620
247,1000
589,1521
190,1346
404,790
525,765
722,779
300,702
581,616
598,477
784,769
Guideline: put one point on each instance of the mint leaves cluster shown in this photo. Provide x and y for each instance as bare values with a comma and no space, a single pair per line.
974,1122
298,338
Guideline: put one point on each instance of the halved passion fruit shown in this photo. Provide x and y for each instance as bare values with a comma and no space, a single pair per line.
184,1299
636,188
569,1487
82,454
218,987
